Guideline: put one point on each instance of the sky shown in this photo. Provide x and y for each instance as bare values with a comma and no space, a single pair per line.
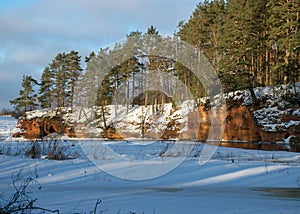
33,32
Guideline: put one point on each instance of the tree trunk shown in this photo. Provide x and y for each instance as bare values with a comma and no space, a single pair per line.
103,116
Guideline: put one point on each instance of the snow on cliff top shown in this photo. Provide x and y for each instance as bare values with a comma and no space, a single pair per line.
276,105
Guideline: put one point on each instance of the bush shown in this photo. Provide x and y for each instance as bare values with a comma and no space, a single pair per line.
291,98
21,202
34,151
55,151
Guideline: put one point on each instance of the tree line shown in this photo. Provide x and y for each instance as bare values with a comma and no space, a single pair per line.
250,43
56,87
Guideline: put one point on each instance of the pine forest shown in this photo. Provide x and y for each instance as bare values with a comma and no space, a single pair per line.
250,43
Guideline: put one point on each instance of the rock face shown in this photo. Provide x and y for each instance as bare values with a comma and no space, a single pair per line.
238,124
41,127
272,121
241,127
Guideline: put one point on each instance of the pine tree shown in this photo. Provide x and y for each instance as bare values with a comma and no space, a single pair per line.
285,38
27,100
242,43
58,67
105,80
65,70
152,31
250,42
46,89
73,71
204,30
88,86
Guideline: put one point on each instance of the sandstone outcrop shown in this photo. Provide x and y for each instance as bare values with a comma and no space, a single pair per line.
241,129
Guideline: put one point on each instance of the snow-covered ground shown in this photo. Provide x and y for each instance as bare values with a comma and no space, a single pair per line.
232,181
7,126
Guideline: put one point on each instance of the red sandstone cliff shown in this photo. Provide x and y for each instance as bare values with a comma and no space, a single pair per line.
272,121
240,126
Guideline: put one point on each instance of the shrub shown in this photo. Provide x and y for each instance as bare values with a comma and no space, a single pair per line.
55,151
34,151
21,202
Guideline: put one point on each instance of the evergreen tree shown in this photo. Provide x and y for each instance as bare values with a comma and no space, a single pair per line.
205,29
27,100
88,86
250,42
284,36
65,70
152,31
58,68
73,72
104,78
46,89
241,42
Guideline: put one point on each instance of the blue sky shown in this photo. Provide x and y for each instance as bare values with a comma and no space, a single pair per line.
32,32
9,4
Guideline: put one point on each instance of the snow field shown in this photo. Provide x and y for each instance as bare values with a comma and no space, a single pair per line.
234,180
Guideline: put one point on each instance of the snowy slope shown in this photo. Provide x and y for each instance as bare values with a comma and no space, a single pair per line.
275,106
125,119
277,111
